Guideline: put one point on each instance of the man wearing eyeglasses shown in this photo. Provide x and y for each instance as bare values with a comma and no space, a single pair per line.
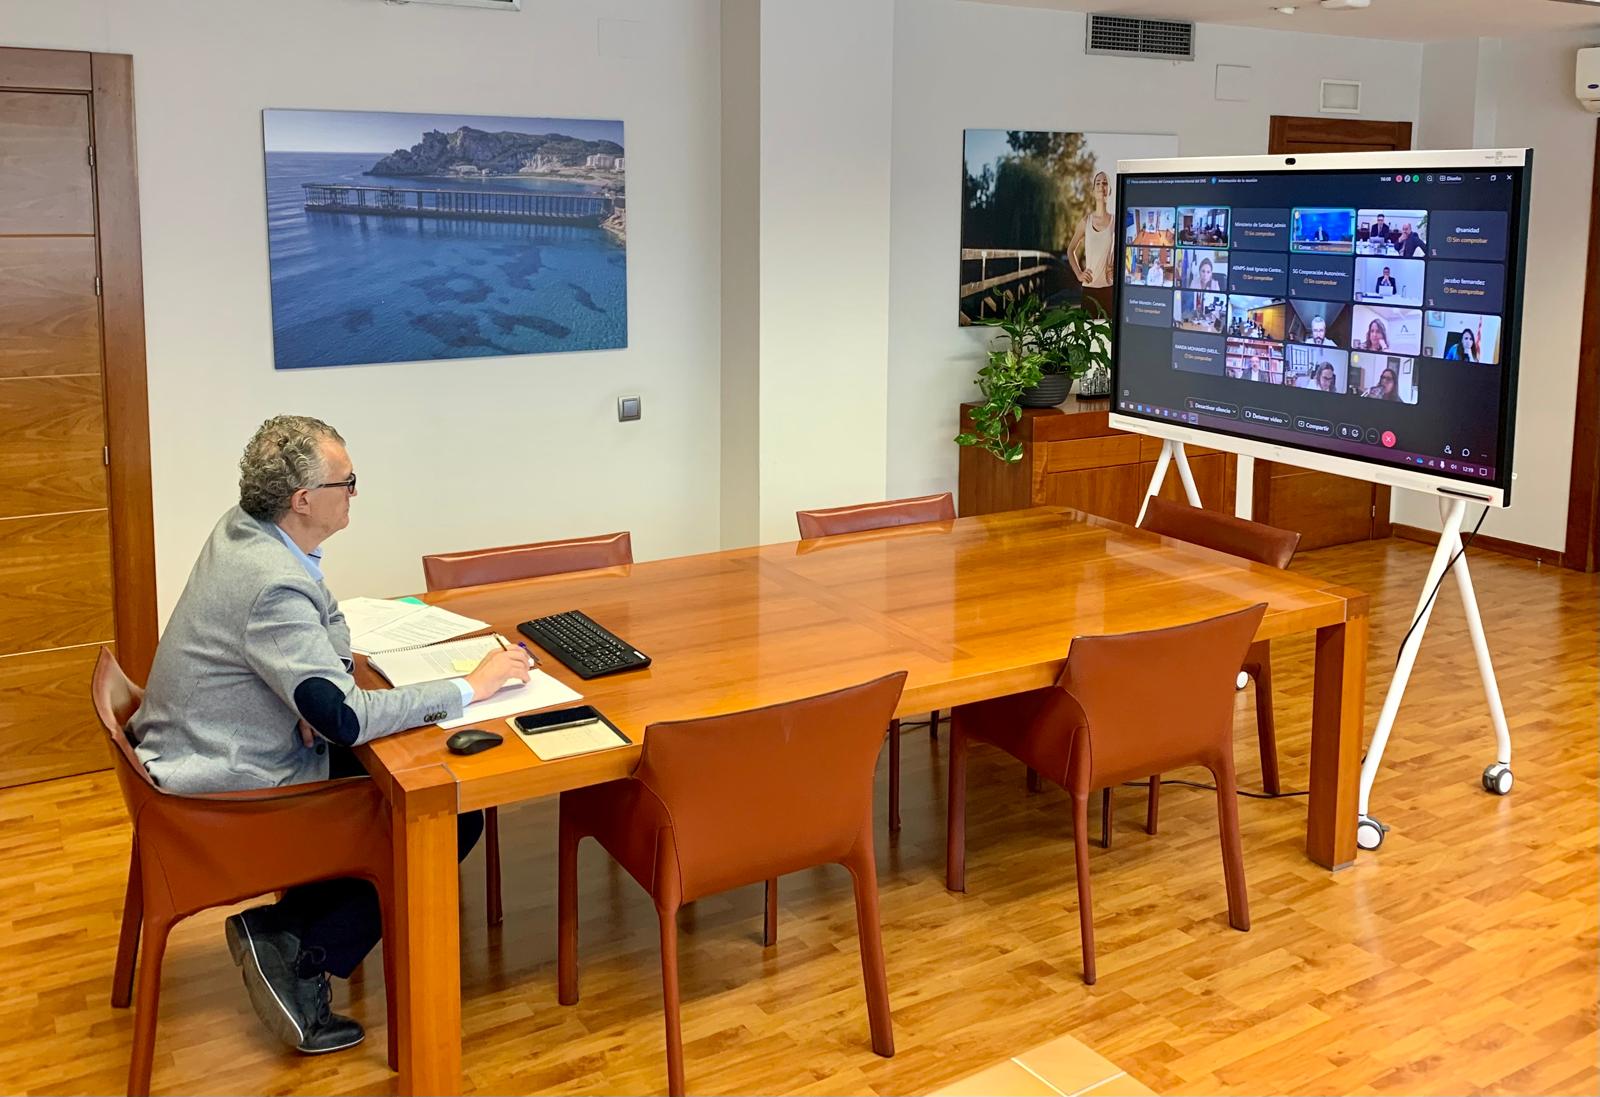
252,688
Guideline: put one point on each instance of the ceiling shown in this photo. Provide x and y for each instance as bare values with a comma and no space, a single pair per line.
1405,20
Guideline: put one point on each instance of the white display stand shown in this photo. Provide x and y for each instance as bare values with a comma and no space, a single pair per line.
1496,777
1449,555
1171,452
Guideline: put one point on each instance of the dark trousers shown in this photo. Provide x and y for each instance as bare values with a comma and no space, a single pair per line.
338,921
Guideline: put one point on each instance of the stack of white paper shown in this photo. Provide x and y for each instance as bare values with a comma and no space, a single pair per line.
378,625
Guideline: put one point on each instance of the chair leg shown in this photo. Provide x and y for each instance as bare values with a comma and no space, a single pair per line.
669,1001
491,865
567,913
1105,817
894,776
1033,779
1266,728
933,724
1153,807
869,935
128,939
1232,852
769,931
1080,851
147,1003
955,848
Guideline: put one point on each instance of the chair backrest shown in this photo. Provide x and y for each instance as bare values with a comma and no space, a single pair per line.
210,850
1153,700
115,701
1223,532
448,570
892,512
771,790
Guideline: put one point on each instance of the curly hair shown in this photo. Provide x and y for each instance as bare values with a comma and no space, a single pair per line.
283,456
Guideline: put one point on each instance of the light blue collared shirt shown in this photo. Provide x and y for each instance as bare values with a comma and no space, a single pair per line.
312,562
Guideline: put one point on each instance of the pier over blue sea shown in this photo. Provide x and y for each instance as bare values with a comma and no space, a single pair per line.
352,288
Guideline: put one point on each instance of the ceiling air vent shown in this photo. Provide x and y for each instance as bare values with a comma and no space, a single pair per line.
1168,39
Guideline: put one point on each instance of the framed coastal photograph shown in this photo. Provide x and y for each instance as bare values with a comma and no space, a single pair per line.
1037,212
413,237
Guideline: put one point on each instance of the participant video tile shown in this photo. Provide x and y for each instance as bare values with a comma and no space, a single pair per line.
1390,281
1325,230
1396,233
1462,337
1383,377
1385,329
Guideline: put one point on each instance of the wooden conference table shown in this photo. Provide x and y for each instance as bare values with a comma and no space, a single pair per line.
974,608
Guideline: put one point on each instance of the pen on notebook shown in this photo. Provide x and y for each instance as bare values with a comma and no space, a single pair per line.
533,660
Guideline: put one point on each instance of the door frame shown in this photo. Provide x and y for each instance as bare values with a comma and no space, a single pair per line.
1582,551
106,80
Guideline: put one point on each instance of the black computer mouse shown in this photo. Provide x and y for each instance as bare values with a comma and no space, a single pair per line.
473,740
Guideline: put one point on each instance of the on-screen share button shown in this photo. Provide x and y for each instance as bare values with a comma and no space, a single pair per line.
1313,426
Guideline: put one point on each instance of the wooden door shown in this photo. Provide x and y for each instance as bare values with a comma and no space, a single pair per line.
1326,509
62,523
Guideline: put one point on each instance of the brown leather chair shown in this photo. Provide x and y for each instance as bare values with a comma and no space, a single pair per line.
870,516
1253,541
448,570
192,853
1123,707
725,801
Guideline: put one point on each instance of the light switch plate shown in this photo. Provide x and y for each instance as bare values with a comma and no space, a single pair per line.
629,408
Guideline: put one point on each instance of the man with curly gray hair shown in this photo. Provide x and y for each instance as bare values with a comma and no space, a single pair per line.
252,688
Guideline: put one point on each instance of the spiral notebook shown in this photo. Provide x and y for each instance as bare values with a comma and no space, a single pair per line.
451,659
378,625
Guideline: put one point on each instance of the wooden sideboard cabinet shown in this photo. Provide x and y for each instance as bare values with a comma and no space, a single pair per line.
1071,457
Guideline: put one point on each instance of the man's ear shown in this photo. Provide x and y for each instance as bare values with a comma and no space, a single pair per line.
300,502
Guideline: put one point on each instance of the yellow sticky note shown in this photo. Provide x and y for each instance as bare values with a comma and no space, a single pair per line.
462,666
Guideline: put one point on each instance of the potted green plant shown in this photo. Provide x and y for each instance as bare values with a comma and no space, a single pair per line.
1045,351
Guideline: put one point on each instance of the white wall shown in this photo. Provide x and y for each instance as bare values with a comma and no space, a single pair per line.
960,66
825,216
451,454
741,273
1524,97
1447,100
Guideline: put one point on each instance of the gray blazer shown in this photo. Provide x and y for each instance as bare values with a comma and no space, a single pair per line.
254,645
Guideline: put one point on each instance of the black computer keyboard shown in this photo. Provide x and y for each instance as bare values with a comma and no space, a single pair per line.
587,649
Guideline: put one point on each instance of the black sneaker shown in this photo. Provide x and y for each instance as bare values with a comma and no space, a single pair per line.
322,1029
265,954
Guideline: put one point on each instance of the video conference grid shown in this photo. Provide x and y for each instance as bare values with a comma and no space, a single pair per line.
1338,299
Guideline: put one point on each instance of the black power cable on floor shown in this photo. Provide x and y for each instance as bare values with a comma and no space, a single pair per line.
1212,788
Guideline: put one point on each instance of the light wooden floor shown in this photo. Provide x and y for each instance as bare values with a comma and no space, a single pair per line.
1461,958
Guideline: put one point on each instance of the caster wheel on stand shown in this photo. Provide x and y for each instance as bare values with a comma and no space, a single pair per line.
1370,832
1497,779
